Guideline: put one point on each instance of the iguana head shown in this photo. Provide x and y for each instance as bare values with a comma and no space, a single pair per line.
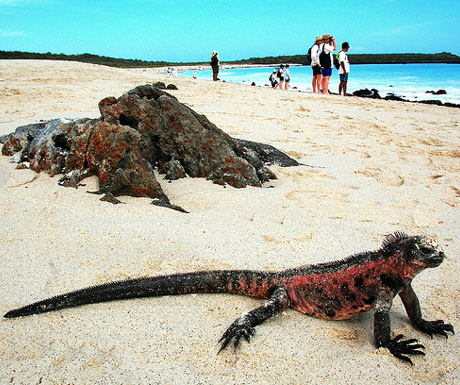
427,251
419,250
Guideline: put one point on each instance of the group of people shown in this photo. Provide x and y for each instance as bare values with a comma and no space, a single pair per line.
280,77
322,61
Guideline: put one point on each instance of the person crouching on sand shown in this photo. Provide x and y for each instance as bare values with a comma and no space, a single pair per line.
273,79
327,48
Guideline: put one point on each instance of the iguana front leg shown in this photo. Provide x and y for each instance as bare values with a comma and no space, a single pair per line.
412,305
382,330
244,325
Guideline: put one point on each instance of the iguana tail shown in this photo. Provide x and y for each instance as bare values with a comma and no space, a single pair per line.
246,282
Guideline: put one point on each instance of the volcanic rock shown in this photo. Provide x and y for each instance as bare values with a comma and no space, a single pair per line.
438,92
435,102
366,93
145,128
394,97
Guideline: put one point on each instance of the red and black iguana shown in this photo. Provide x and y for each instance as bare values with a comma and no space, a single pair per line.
335,291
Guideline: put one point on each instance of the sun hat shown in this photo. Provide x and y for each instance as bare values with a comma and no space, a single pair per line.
214,53
319,38
326,36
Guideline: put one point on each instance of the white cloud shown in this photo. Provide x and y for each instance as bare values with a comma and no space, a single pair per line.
4,33
412,29
15,3
358,48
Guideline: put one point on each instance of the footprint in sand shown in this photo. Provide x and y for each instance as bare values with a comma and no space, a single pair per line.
382,175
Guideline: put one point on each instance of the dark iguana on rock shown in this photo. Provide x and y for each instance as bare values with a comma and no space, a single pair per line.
335,291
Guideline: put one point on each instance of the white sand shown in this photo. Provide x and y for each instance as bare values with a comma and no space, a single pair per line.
385,166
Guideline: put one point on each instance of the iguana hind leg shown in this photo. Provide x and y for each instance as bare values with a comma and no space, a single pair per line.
244,325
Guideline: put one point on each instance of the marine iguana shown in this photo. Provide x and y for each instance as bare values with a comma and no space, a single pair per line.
334,291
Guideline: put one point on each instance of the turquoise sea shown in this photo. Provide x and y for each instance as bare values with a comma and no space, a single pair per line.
406,80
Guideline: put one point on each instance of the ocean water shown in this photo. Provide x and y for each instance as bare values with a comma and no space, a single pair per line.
410,81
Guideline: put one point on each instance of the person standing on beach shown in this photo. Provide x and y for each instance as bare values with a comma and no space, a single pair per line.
215,62
280,75
287,77
326,61
315,66
344,68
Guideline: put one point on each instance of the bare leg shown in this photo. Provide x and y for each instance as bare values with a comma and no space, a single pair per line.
325,84
344,88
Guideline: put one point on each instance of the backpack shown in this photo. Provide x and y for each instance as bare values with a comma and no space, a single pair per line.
336,61
309,55
324,59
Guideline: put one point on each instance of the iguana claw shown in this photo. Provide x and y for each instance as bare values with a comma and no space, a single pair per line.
240,328
399,348
436,327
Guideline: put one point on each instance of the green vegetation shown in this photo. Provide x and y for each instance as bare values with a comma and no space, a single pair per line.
393,58
86,58
402,58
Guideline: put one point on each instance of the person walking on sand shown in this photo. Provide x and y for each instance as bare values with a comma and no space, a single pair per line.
280,75
287,77
326,61
215,62
344,68
315,66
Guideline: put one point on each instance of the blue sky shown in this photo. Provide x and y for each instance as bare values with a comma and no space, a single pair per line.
186,30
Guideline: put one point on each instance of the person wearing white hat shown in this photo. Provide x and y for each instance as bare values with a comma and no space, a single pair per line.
316,68
327,48
273,79
215,62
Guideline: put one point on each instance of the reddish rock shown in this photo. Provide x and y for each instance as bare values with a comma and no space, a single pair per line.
113,155
144,128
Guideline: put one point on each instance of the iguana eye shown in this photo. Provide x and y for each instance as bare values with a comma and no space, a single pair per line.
426,250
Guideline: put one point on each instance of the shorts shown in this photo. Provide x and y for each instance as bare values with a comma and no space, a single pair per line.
316,70
326,71
343,77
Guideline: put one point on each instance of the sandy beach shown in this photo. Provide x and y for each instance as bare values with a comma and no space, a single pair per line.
374,167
